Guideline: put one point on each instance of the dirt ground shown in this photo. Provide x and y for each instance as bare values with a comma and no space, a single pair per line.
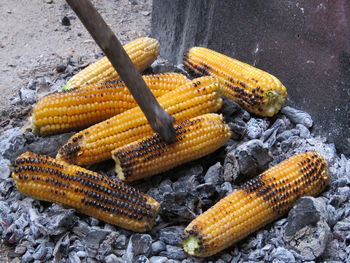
34,41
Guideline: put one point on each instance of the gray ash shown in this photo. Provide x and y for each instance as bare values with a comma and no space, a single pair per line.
315,229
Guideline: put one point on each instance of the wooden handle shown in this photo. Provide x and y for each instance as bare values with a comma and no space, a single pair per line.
160,121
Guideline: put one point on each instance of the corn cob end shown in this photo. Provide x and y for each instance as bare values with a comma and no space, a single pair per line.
275,101
191,245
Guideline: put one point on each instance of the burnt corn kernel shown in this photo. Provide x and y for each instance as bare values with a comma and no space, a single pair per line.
142,52
86,191
256,203
86,105
97,142
195,138
239,81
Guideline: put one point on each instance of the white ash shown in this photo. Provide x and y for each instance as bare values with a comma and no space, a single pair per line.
37,231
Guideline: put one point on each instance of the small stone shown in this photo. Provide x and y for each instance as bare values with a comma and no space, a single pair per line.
171,235
142,259
304,132
65,21
20,250
95,236
173,252
214,174
283,255
157,247
27,96
298,116
27,258
145,13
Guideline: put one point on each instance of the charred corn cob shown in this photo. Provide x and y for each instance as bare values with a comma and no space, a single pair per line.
95,143
257,91
47,179
142,52
86,105
195,138
258,202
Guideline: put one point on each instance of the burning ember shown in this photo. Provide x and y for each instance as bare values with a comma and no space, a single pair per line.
315,228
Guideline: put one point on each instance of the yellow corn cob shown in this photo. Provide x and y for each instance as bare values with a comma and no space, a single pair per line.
47,179
86,105
257,91
195,138
95,143
258,202
142,52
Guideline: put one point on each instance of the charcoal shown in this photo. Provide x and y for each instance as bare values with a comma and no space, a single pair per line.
284,135
21,249
214,174
139,244
342,229
158,259
282,255
56,220
307,230
304,131
112,259
157,247
81,229
142,259
277,127
230,108
92,221
121,241
61,247
206,191
73,258
171,235
231,168
5,171
226,257
40,252
256,255
253,157
10,140
173,252
238,128
95,236
81,254
255,128
298,116
27,96
224,189
27,258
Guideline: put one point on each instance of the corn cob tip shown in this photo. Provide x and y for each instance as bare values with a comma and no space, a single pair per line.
191,244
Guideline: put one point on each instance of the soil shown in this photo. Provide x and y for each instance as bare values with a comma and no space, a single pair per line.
35,37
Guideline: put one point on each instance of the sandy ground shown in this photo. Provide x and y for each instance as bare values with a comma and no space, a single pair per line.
33,40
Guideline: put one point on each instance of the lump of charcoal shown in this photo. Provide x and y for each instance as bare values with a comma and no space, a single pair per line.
5,168
252,157
307,230
231,168
342,229
95,236
27,96
173,252
238,127
282,255
113,259
157,247
171,235
214,174
56,220
139,244
40,252
303,131
298,116
10,141
255,128
230,108
158,259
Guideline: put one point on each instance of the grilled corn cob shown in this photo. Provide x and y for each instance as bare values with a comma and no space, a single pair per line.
254,89
95,143
47,179
142,52
86,105
258,202
195,138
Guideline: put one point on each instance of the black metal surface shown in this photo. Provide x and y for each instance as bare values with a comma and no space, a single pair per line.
306,44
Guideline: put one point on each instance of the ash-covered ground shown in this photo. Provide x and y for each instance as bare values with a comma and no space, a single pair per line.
315,230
